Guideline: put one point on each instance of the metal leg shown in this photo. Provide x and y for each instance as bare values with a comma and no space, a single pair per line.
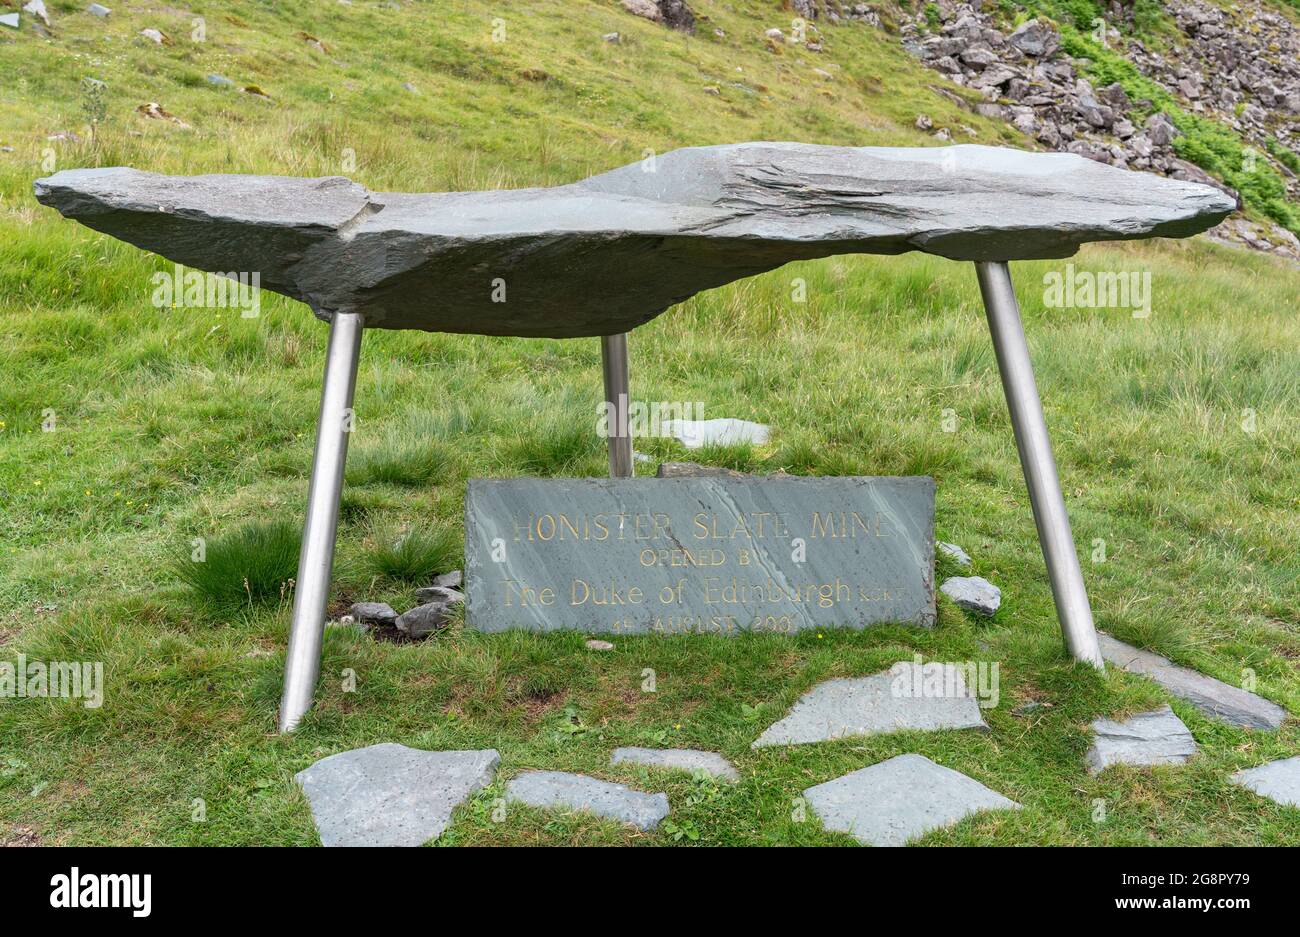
1037,462
315,562
613,355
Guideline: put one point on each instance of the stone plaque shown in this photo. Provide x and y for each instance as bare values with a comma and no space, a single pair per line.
698,555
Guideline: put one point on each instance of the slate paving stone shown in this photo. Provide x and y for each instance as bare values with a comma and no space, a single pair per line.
883,702
1154,738
973,593
682,759
552,789
1277,780
391,795
890,803
695,434
1216,699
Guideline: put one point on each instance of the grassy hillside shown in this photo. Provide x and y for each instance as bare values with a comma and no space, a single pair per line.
1176,437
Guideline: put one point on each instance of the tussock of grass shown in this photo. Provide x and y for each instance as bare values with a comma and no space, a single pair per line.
409,464
414,555
256,563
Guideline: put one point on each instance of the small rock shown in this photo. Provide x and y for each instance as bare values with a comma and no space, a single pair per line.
9,19
156,111
680,759
1277,780
442,587
37,9
551,789
923,122
973,593
942,134
695,434
956,552
890,803
614,38
1035,38
374,613
1161,130
153,35
712,89
695,470
451,580
595,644
408,86
96,9
429,617
1155,738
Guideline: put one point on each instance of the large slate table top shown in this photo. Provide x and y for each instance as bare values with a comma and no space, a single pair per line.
601,256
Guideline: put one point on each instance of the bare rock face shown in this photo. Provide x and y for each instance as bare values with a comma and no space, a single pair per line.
611,252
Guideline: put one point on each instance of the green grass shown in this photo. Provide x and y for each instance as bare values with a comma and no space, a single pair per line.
416,555
172,424
255,563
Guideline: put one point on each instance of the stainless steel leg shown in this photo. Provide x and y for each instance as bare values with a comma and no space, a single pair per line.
613,355
1036,461
315,562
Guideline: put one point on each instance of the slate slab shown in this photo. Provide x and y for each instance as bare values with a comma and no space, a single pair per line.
1277,780
1153,738
698,555
374,613
391,795
609,253
891,701
560,789
695,434
1216,699
679,759
890,803
956,552
973,593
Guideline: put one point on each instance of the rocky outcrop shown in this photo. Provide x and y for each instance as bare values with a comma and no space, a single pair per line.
1246,79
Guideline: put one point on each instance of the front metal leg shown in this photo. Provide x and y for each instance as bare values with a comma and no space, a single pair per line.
613,357
316,561
1036,461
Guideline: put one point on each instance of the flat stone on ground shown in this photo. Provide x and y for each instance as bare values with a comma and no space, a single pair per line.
890,803
695,434
681,759
551,789
973,593
391,795
884,702
1155,738
956,552
1216,699
1277,780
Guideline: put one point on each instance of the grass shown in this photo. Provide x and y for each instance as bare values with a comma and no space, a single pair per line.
1176,438
415,555
252,564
